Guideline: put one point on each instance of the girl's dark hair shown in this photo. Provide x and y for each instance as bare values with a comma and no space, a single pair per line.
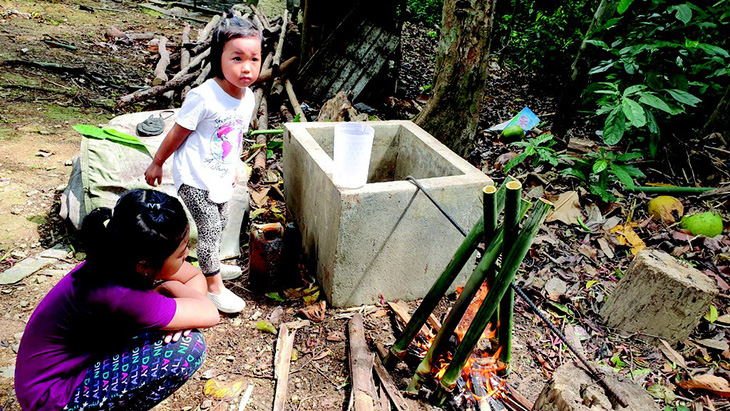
145,225
229,29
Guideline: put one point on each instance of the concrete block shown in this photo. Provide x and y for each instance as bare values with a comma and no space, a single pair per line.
385,238
23,269
659,296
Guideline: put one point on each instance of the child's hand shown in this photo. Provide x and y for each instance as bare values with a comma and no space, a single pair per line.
174,336
153,175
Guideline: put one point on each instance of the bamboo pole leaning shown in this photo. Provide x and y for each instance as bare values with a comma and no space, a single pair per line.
472,286
506,306
490,226
439,288
504,278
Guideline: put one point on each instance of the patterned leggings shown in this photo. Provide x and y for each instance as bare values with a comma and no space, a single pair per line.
210,219
142,375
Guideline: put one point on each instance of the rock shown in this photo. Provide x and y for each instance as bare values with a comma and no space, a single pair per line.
555,288
572,389
7,372
206,404
23,269
659,296
18,336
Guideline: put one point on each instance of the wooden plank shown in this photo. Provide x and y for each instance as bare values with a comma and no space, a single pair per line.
401,310
335,59
282,361
374,68
356,63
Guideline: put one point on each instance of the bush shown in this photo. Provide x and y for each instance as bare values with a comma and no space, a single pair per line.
426,12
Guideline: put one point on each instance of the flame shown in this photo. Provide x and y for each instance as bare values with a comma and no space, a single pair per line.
481,365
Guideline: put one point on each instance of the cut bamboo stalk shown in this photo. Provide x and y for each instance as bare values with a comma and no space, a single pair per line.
490,226
160,75
282,362
360,367
481,319
439,288
506,306
439,343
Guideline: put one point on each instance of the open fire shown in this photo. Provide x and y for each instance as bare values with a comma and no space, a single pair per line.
480,387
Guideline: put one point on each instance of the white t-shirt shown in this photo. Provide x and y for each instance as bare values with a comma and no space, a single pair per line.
210,155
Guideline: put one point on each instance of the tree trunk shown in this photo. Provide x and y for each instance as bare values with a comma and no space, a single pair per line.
579,72
452,113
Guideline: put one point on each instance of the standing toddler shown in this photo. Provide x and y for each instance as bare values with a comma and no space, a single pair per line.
207,139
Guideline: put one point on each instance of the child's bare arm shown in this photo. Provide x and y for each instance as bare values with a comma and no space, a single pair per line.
190,276
194,310
172,142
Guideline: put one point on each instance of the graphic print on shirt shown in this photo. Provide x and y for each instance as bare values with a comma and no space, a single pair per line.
226,142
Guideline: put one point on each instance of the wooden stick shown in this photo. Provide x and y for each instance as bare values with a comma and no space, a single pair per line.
401,310
294,102
286,114
261,16
268,74
279,45
160,75
259,165
245,398
185,53
282,361
200,47
141,95
193,63
389,386
360,370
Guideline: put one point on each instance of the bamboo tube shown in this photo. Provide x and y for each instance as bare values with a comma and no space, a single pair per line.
438,345
502,283
438,289
490,217
506,306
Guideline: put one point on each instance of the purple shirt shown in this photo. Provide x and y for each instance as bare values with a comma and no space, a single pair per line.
72,328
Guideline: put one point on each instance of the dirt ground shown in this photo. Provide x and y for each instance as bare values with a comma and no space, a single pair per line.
38,106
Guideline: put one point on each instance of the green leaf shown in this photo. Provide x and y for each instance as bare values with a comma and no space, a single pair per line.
269,154
517,160
633,171
575,173
684,13
614,127
266,326
651,123
711,315
274,144
683,96
275,296
634,89
617,361
257,212
653,101
623,5
599,166
622,175
629,156
634,112
598,43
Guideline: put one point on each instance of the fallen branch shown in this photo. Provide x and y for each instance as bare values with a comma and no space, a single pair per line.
208,29
282,361
261,16
141,95
168,14
360,366
185,53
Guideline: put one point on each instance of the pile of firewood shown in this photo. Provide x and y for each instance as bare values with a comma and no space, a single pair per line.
195,66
